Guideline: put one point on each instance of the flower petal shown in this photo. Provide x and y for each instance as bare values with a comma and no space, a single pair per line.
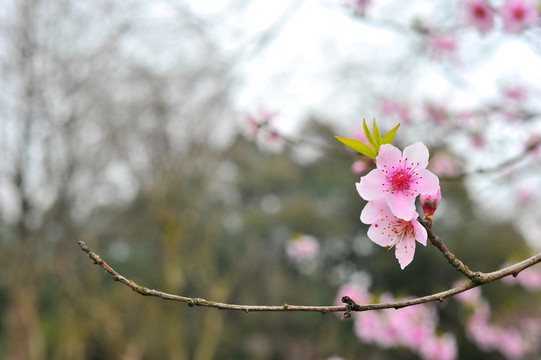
369,213
402,205
371,185
417,154
405,250
419,231
425,182
381,234
388,156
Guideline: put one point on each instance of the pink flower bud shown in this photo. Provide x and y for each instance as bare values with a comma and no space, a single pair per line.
430,203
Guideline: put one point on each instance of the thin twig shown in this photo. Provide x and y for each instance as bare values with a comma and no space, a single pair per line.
480,279
453,260
530,148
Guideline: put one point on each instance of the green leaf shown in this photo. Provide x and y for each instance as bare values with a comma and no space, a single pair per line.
369,137
359,146
377,135
388,138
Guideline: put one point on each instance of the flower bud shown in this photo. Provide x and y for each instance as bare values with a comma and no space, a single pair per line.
430,203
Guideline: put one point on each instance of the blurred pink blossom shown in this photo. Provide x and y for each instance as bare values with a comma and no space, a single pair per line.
529,278
510,342
479,15
250,127
442,46
436,114
369,328
257,126
304,247
413,327
392,108
526,195
469,297
516,93
440,348
358,6
272,141
356,292
478,140
519,14
359,167
360,135
443,164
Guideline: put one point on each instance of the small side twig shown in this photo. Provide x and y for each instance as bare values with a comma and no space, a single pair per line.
351,306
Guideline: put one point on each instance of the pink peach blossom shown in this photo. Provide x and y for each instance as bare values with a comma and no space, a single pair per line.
515,93
390,107
440,348
399,178
359,167
356,292
388,230
479,15
518,15
442,46
358,6
304,247
436,113
443,164
468,297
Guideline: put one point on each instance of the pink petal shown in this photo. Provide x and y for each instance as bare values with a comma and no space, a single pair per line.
417,154
419,231
370,186
425,182
369,213
402,205
405,251
381,235
388,156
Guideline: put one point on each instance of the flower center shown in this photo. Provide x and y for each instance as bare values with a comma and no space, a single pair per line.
479,12
518,13
400,181
402,229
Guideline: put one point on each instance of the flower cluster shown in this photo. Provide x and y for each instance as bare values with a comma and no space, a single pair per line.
512,342
516,15
391,190
529,279
412,327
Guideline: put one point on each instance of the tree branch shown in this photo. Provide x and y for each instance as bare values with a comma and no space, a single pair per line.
453,260
480,279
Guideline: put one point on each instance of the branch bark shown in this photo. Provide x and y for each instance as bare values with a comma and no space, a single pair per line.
453,260
479,279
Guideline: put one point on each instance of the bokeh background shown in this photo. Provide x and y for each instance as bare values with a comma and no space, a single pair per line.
130,125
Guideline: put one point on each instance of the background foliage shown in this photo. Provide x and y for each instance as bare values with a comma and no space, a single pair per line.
118,132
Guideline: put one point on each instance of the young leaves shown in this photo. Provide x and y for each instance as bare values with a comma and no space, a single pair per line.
375,139
359,146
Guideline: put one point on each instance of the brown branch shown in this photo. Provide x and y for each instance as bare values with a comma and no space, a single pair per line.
453,260
480,279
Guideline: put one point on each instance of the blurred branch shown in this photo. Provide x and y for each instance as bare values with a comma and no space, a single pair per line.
530,148
478,279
